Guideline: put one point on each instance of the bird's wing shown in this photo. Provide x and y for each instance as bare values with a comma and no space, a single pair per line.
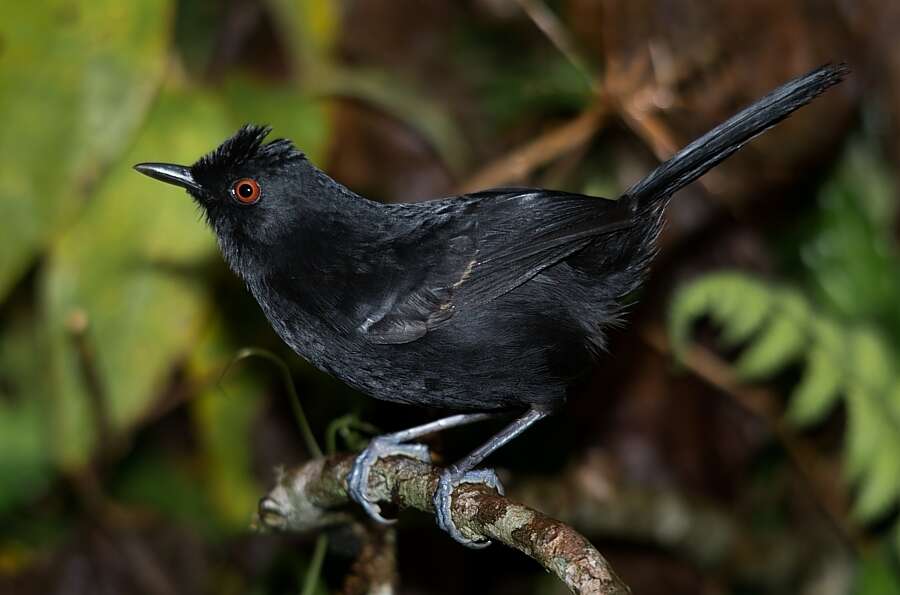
501,239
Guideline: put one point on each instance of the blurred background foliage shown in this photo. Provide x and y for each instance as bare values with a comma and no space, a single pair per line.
742,436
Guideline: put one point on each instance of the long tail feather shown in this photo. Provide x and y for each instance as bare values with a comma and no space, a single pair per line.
719,143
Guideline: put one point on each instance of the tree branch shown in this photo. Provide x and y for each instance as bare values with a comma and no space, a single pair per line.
375,569
518,164
312,496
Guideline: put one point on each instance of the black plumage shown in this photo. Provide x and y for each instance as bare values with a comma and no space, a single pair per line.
495,300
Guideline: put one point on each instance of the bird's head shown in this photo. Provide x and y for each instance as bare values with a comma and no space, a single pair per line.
248,190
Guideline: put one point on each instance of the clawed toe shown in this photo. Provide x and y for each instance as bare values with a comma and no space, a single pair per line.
379,448
443,500
358,479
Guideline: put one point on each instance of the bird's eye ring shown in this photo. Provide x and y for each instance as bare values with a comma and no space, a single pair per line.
246,191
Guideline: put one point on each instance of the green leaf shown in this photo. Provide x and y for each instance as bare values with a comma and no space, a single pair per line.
742,311
818,391
876,574
879,488
308,27
842,359
870,361
851,253
224,413
893,398
861,442
873,448
780,342
829,336
739,304
130,267
690,303
76,79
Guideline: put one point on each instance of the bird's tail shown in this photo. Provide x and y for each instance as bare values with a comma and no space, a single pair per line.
719,143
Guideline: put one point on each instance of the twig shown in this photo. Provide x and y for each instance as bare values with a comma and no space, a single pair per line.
299,415
375,569
517,165
641,99
77,325
311,577
310,497
635,110
555,31
591,495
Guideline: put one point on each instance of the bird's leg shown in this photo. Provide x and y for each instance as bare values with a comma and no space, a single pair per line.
393,444
461,472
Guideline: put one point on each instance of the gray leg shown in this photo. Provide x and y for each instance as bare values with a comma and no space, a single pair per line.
445,423
462,472
392,444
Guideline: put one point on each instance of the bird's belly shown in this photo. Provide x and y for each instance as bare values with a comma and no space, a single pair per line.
493,360
432,373
452,367
436,383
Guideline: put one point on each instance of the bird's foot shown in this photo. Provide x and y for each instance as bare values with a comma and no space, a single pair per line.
442,500
358,479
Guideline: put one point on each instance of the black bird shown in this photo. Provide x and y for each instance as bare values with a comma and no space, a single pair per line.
486,303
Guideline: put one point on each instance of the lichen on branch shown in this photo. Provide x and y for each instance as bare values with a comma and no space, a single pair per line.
314,496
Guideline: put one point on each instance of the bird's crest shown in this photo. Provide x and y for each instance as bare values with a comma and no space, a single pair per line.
246,145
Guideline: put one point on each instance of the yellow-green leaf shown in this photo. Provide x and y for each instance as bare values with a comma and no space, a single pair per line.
308,27
840,360
879,488
224,413
870,361
130,266
691,302
781,341
893,397
863,436
818,391
76,79
749,307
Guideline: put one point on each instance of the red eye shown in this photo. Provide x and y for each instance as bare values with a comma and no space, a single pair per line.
246,190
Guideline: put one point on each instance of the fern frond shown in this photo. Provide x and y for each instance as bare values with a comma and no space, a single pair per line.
779,327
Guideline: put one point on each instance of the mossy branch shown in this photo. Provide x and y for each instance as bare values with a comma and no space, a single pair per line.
315,495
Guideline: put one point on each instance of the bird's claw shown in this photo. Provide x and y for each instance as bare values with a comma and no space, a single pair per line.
379,448
443,499
358,479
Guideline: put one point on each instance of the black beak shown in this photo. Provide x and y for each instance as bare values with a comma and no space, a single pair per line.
169,173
